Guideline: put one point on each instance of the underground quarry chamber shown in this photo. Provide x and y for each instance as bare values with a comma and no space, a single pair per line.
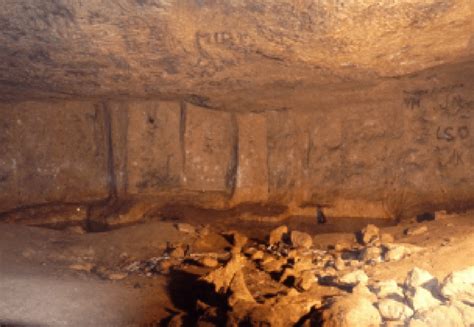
237,163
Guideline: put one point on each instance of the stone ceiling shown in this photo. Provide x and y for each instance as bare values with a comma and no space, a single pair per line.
218,53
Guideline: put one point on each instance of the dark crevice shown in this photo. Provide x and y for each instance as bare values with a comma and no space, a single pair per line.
231,176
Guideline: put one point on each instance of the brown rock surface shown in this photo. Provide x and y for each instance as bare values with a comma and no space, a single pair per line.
364,107
211,52
53,152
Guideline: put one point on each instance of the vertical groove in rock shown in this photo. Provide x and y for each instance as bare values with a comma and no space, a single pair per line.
234,162
182,132
111,178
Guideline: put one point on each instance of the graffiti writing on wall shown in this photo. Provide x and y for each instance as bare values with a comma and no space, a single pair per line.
414,98
444,113
455,112
211,59
451,133
223,38
449,157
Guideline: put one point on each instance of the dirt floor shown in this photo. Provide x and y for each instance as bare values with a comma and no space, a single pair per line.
50,277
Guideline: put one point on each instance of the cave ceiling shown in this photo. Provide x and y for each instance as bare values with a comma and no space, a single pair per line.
235,55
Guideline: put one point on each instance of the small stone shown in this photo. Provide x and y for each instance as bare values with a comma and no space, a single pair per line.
301,239
133,267
387,238
354,278
221,278
339,247
273,265
165,266
419,230
249,251
292,292
82,267
177,253
388,288
329,271
277,235
258,255
421,278
395,253
394,310
306,280
371,253
203,230
339,264
369,234
209,262
459,285
355,263
186,228
443,215
303,263
117,276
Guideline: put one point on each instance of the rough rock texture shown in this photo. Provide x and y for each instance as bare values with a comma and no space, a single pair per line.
419,145
53,152
301,239
459,285
212,51
440,316
363,108
353,310
394,310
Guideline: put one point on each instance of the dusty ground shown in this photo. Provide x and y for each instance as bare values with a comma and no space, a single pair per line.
52,277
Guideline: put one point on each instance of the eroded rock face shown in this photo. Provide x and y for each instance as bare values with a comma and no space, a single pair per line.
90,151
303,104
215,52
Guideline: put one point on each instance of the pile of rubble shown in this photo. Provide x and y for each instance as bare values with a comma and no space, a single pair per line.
287,282
420,301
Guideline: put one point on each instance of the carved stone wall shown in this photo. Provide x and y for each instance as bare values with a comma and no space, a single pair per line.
53,152
412,149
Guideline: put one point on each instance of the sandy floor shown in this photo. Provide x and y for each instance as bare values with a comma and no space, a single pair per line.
39,287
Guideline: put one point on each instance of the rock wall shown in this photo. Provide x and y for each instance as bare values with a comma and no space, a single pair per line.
368,158
53,152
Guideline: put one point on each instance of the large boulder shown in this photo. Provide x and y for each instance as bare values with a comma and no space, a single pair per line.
421,278
394,310
277,234
352,311
223,277
459,285
388,288
301,239
354,278
439,316
420,299
369,234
